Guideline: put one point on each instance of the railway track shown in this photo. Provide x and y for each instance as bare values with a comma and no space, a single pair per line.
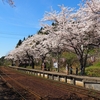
24,92
7,93
80,90
95,95
74,90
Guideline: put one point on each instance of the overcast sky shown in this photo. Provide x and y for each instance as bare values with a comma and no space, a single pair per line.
24,19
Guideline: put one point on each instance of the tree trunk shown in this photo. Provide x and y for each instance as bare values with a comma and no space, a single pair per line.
12,63
58,56
43,63
83,62
32,64
32,59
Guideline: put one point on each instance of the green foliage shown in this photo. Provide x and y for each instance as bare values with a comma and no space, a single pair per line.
4,62
19,43
1,61
29,36
24,39
41,31
93,70
70,57
92,51
97,64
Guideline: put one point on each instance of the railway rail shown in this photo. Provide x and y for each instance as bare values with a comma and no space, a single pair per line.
21,90
13,89
7,93
70,91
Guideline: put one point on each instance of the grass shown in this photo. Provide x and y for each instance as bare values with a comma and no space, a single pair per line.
93,70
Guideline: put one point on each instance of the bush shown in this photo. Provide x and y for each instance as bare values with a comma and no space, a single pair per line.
94,70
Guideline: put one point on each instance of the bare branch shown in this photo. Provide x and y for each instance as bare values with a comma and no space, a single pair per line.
10,2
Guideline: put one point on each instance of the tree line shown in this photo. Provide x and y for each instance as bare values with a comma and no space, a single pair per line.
70,30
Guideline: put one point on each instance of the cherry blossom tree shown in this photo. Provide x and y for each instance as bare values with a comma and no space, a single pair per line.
78,32
55,30
89,23
12,56
30,49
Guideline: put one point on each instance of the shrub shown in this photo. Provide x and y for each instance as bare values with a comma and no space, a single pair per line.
93,71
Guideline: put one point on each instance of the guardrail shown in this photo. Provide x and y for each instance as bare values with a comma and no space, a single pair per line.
84,81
